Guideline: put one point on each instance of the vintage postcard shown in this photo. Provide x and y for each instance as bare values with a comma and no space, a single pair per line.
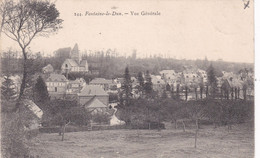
108,78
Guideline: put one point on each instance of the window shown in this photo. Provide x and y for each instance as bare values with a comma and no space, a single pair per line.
56,89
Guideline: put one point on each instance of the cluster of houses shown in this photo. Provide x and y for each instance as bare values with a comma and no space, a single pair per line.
98,89
95,94
235,85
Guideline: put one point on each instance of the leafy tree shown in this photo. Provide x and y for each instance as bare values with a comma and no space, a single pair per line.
127,87
7,89
125,96
24,21
63,113
40,94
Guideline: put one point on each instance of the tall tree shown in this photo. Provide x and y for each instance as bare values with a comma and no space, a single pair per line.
127,87
7,89
40,93
125,97
24,21
212,80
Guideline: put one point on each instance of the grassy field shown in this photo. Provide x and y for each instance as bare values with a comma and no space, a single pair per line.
170,143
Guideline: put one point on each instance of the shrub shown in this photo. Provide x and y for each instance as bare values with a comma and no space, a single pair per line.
102,118
14,142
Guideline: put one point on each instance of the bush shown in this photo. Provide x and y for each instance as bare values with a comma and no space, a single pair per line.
63,111
101,118
14,142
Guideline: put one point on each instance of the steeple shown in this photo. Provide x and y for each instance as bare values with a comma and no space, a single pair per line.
74,54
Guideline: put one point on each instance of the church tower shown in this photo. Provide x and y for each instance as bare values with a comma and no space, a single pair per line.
74,54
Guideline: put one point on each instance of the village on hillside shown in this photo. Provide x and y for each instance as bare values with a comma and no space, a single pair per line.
76,97
98,94
123,79
194,80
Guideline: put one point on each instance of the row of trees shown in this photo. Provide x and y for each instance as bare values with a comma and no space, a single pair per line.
126,95
151,108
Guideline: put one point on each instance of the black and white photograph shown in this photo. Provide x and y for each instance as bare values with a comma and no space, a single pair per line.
127,79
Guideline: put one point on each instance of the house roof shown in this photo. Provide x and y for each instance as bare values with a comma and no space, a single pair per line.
100,81
57,78
120,80
92,90
167,72
235,82
156,80
95,103
83,63
78,81
48,67
72,62
75,48
33,107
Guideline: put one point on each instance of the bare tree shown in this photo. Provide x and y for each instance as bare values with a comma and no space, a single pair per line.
196,111
25,20
5,7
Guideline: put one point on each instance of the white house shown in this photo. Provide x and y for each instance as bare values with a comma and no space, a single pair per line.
56,85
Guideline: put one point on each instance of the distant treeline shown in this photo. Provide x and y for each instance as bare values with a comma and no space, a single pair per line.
113,66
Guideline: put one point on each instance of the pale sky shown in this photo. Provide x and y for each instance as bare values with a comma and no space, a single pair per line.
190,29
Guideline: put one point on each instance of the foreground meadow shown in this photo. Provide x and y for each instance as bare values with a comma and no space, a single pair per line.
212,142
